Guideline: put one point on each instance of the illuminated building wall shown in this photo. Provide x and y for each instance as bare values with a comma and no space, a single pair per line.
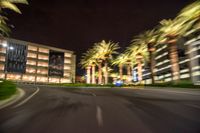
36,62
189,62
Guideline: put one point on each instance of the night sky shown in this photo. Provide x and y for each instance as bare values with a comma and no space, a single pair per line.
77,24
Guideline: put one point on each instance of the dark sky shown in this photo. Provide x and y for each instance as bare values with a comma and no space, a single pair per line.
77,24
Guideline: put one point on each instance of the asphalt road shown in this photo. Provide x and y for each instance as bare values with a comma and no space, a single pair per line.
62,110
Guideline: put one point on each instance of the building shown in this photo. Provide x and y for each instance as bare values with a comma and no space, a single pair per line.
189,62
30,62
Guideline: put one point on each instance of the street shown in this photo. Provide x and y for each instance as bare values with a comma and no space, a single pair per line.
46,109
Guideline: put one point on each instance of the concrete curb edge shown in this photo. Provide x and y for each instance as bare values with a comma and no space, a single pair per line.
16,97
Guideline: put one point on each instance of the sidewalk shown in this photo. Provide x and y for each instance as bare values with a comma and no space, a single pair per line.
19,94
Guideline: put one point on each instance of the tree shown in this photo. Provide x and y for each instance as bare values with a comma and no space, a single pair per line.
121,60
11,5
89,60
139,54
150,39
190,15
105,50
172,30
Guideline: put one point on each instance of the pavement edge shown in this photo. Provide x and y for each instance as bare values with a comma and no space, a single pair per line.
16,97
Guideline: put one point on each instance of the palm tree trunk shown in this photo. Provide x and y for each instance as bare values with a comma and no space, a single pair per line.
99,73
106,72
174,59
93,75
121,71
152,66
139,67
151,50
88,75
128,72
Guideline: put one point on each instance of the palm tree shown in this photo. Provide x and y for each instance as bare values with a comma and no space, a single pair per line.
121,60
191,14
139,54
172,30
150,39
89,60
11,5
105,50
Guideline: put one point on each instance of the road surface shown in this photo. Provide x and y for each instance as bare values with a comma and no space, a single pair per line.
65,110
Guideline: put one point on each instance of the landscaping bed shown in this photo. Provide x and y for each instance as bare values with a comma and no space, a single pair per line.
7,89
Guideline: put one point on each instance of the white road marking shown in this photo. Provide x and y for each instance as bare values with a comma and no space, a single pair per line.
99,116
27,99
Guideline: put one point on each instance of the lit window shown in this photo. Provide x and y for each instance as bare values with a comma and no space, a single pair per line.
2,50
2,75
42,79
32,48
1,67
42,71
54,80
32,55
28,78
13,76
66,67
65,81
67,61
43,50
2,58
30,70
68,55
43,57
42,64
31,62
66,74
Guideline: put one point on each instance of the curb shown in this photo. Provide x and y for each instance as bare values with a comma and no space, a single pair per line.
17,96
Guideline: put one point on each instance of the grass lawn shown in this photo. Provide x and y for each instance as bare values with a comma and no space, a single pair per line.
7,89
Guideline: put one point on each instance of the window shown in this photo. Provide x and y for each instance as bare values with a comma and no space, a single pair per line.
43,50
66,67
2,58
67,61
2,75
31,62
68,55
42,71
42,79
13,76
28,78
54,80
65,81
42,64
32,55
1,67
43,57
66,74
32,48
30,70
2,50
